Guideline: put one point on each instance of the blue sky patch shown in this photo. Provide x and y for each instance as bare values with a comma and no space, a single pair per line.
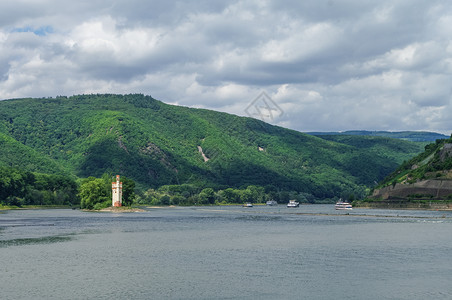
40,31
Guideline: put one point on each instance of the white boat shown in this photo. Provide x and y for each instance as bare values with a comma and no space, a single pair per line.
272,203
248,205
293,203
341,205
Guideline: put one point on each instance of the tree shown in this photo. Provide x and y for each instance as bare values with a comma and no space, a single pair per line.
14,185
256,193
229,195
207,196
246,196
92,192
165,200
128,191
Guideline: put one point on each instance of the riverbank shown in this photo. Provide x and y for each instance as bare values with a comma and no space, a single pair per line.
390,205
108,209
415,205
12,207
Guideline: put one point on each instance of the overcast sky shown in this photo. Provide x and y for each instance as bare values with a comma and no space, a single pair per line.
320,65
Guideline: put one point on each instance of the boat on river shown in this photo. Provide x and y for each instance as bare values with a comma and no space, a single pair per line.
248,205
293,203
272,203
341,205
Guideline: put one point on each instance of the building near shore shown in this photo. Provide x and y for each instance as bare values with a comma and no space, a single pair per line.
116,192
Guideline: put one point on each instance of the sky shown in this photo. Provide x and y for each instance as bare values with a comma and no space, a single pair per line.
320,65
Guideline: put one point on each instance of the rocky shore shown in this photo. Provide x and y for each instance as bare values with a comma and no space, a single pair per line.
435,189
121,209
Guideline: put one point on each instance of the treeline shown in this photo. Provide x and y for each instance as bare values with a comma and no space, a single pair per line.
19,188
187,194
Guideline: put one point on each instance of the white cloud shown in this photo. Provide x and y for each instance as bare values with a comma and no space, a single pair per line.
331,65
300,45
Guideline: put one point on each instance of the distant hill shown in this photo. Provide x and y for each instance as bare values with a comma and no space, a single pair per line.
156,144
394,149
413,136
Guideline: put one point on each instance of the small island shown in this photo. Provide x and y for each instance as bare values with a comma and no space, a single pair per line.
121,209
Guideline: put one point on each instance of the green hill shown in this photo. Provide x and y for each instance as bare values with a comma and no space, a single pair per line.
394,149
156,144
15,153
434,163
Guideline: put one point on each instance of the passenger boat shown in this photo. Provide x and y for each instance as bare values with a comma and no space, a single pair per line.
272,203
248,205
341,205
293,203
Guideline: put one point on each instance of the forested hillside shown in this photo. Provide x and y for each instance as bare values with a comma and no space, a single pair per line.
425,181
156,144
433,163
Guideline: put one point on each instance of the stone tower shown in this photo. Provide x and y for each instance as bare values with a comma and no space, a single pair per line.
116,192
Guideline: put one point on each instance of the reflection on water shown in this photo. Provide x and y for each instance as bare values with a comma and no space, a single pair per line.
312,252
29,241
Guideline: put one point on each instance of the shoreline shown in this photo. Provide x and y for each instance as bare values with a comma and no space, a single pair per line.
139,209
405,206
115,209
31,207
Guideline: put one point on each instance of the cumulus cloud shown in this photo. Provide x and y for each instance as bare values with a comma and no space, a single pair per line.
329,65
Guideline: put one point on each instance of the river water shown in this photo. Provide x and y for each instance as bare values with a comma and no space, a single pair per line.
310,252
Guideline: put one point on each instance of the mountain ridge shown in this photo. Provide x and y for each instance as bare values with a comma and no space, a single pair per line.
414,136
156,144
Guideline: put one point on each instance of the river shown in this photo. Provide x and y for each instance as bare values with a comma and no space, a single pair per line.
310,252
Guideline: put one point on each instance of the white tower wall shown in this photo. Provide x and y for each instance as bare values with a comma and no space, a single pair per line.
116,192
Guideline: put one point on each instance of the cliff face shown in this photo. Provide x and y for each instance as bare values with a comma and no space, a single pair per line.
434,189
445,152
